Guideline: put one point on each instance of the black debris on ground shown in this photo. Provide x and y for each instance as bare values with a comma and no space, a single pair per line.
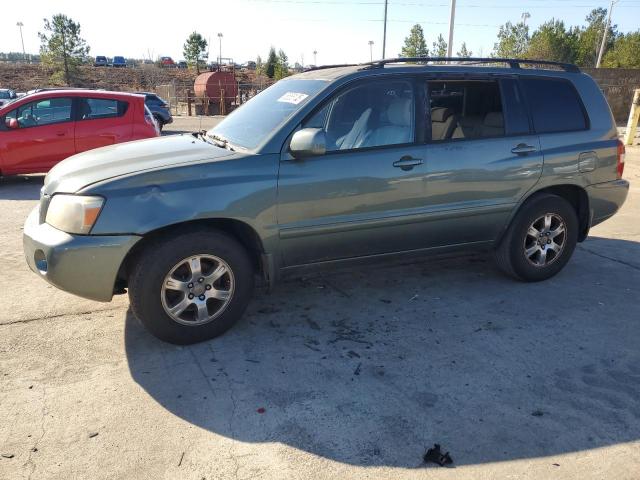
435,455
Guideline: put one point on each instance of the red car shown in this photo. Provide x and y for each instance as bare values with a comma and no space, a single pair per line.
167,62
41,129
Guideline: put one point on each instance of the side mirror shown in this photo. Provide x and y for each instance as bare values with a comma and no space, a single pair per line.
12,123
308,142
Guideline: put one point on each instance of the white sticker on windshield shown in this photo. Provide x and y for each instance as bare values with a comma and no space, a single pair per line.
293,97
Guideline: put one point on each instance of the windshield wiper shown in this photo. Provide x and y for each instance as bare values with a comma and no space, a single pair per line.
220,141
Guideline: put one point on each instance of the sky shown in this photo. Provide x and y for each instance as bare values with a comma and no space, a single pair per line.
339,30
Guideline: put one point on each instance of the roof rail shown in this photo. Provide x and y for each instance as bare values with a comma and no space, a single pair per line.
322,67
512,62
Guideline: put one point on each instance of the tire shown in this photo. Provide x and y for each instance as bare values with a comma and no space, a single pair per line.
159,122
533,258
170,259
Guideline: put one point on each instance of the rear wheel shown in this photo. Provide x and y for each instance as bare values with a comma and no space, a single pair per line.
191,287
540,240
159,122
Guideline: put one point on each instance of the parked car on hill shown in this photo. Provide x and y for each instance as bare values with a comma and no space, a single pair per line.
167,62
39,130
6,96
158,107
119,62
101,61
336,166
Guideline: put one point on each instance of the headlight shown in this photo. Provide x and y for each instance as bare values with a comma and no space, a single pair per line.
73,213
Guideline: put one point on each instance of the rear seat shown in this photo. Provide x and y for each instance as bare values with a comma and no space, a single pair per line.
493,125
468,127
473,126
443,122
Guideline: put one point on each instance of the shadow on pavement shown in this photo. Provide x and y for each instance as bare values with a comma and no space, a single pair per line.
21,187
370,367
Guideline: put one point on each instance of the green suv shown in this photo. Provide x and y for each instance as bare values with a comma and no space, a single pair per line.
335,165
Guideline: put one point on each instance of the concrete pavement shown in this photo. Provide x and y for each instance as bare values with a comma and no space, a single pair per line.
357,372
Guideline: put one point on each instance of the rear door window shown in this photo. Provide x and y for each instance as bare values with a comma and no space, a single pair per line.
515,111
465,110
96,108
555,105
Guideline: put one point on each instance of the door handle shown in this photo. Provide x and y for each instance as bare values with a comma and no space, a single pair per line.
523,149
60,134
407,162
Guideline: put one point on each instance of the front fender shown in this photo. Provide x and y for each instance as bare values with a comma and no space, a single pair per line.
238,188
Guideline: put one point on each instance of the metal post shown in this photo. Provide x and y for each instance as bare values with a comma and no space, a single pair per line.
20,25
452,15
315,61
371,50
220,52
634,115
604,35
384,35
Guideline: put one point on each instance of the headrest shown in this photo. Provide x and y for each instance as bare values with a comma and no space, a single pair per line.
440,114
494,120
400,112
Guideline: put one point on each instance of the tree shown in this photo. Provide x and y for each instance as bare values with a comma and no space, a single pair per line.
513,41
272,62
195,49
625,52
440,47
414,44
464,53
589,38
552,41
259,65
282,65
62,47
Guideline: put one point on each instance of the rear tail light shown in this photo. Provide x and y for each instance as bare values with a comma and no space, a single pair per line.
620,162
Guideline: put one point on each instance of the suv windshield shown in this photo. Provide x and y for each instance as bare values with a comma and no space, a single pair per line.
249,125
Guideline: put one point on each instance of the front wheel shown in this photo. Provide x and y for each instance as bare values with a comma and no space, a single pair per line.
540,240
191,287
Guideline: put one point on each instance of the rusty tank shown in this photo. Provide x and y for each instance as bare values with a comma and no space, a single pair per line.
216,91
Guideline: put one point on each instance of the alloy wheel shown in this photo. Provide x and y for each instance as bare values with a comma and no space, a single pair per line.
197,289
545,240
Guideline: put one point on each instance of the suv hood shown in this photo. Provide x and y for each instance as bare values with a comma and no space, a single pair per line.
93,166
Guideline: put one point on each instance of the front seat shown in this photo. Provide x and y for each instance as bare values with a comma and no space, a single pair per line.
398,129
443,122
356,135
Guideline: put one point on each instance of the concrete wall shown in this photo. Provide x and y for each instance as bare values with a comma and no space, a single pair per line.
618,85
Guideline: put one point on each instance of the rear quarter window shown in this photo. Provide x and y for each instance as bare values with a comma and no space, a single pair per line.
555,105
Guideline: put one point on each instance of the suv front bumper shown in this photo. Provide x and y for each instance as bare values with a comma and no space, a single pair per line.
84,265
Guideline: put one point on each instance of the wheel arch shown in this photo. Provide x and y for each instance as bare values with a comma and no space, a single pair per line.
239,230
574,194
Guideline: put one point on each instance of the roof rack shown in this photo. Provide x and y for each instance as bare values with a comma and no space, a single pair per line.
512,62
322,67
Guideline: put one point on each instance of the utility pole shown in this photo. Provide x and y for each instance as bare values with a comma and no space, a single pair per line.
371,50
220,52
525,16
384,35
452,16
20,25
606,31
315,60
